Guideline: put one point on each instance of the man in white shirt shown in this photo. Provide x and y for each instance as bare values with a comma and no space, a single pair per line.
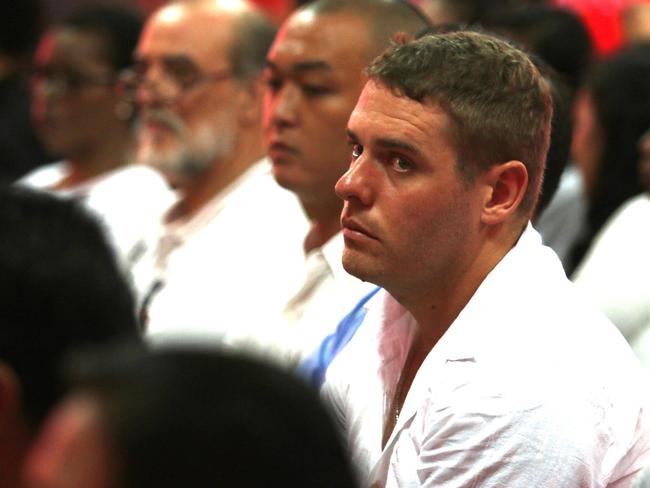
471,368
314,77
216,267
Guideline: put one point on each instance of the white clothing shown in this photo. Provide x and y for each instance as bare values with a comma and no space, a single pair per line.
46,176
225,273
328,293
511,396
562,222
643,479
616,273
127,201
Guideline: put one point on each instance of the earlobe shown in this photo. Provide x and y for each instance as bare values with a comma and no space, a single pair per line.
10,398
251,102
506,183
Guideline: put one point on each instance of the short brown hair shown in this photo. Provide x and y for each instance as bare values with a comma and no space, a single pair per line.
500,104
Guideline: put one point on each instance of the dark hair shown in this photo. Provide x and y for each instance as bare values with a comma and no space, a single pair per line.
22,23
118,29
254,36
385,17
61,289
500,104
183,418
556,35
561,123
620,92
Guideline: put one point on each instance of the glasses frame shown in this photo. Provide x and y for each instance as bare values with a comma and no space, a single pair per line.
64,83
130,81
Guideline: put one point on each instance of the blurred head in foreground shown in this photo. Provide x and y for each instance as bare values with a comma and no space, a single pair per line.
62,291
178,418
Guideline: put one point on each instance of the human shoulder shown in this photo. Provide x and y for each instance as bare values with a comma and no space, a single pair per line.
627,230
44,176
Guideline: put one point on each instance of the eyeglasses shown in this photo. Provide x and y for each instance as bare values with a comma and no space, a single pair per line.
64,82
170,87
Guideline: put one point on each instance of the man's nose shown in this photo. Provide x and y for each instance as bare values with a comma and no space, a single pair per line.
153,88
282,107
356,182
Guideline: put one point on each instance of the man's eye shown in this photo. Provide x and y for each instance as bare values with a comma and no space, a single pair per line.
139,68
315,90
357,151
182,72
274,84
184,78
401,165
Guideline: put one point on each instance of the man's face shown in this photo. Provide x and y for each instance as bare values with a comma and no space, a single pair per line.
408,220
314,77
71,80
187,99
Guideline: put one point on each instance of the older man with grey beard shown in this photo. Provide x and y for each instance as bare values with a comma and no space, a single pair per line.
233,231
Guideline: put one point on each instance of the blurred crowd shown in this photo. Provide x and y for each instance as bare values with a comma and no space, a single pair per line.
173,176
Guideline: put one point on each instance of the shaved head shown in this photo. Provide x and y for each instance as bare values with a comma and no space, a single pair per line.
385,18
253,32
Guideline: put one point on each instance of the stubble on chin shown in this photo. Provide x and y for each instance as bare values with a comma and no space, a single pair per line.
359,266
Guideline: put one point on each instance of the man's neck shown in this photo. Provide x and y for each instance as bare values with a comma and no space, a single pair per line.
436,305
88,163
325,222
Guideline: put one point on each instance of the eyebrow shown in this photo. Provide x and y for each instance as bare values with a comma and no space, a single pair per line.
165,58
389,143
303,66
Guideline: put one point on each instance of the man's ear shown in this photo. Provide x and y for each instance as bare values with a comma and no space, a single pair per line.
506,185
250,103
10,398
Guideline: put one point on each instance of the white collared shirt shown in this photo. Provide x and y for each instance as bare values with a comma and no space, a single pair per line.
529,387
327,294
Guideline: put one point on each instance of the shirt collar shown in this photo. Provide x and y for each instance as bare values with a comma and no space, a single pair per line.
332,253
467,335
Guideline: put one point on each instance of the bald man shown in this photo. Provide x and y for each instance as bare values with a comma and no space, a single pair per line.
196,81
314,76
